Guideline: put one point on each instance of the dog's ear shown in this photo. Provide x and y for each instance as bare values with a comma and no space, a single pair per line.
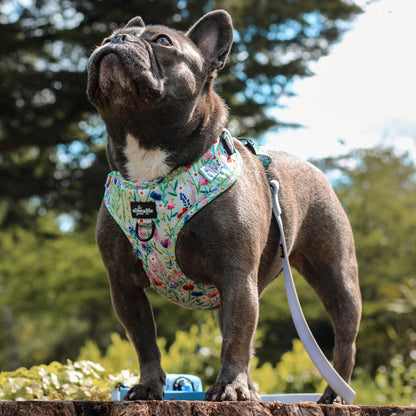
213,34
136,21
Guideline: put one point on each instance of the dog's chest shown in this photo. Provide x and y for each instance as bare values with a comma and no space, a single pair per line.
144,165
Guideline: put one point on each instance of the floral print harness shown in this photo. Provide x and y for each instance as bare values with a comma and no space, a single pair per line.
152,214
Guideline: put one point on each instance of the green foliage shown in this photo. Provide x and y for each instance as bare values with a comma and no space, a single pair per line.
377,188
295,373
54,288
394,383
81,380
195,352
198,352
120,354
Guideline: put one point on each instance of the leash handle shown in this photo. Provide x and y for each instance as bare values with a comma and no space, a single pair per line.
335,381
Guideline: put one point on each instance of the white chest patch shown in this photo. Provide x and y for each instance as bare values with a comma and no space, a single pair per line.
144,165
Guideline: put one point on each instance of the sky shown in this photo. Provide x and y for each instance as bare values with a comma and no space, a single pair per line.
363,93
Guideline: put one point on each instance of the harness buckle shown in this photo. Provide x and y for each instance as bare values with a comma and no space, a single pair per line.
227,142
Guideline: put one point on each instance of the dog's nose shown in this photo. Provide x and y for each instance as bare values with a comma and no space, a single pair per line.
118,39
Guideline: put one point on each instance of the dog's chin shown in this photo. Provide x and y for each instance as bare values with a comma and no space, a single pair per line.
109,84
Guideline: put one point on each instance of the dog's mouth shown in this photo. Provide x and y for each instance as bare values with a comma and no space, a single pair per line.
113,78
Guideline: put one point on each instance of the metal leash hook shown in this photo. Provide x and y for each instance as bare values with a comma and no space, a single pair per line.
335,381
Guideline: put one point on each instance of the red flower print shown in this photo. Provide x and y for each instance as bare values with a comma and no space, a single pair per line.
183,212
188,287
157,281
212,295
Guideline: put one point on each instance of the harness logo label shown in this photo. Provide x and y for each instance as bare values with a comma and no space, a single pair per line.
143,210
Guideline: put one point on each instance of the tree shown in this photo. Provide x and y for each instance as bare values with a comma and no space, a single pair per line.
377,188
55,295
51,140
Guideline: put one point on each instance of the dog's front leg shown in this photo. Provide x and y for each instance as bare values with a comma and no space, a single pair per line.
238,320
127,282
135,313
254,396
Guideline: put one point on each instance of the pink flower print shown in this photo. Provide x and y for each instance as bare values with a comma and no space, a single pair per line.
204,181
170,206
193,194
203,201
213,294
207,156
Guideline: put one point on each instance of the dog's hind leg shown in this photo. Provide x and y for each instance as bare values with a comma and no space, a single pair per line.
336,284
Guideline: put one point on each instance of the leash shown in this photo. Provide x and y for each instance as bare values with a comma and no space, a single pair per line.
335,381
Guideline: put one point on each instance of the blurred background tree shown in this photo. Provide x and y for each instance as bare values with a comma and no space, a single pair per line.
54,294
51,139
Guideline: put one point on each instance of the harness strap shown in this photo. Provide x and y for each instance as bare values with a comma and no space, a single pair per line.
335,381
248,143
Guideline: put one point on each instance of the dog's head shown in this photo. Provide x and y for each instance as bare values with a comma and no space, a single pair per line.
146,75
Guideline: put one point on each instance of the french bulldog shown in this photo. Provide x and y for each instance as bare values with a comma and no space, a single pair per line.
153,87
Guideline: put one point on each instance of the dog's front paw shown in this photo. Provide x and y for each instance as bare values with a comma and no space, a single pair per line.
144,392
220,392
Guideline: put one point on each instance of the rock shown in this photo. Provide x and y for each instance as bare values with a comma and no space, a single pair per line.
194,408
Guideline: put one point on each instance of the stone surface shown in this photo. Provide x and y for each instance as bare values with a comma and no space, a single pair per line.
194,408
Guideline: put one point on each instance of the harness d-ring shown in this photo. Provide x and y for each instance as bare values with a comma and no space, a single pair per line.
144,240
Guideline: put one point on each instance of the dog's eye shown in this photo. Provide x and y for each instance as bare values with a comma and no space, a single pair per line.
163,40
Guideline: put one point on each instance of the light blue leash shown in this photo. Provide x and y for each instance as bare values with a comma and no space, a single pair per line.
335,381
